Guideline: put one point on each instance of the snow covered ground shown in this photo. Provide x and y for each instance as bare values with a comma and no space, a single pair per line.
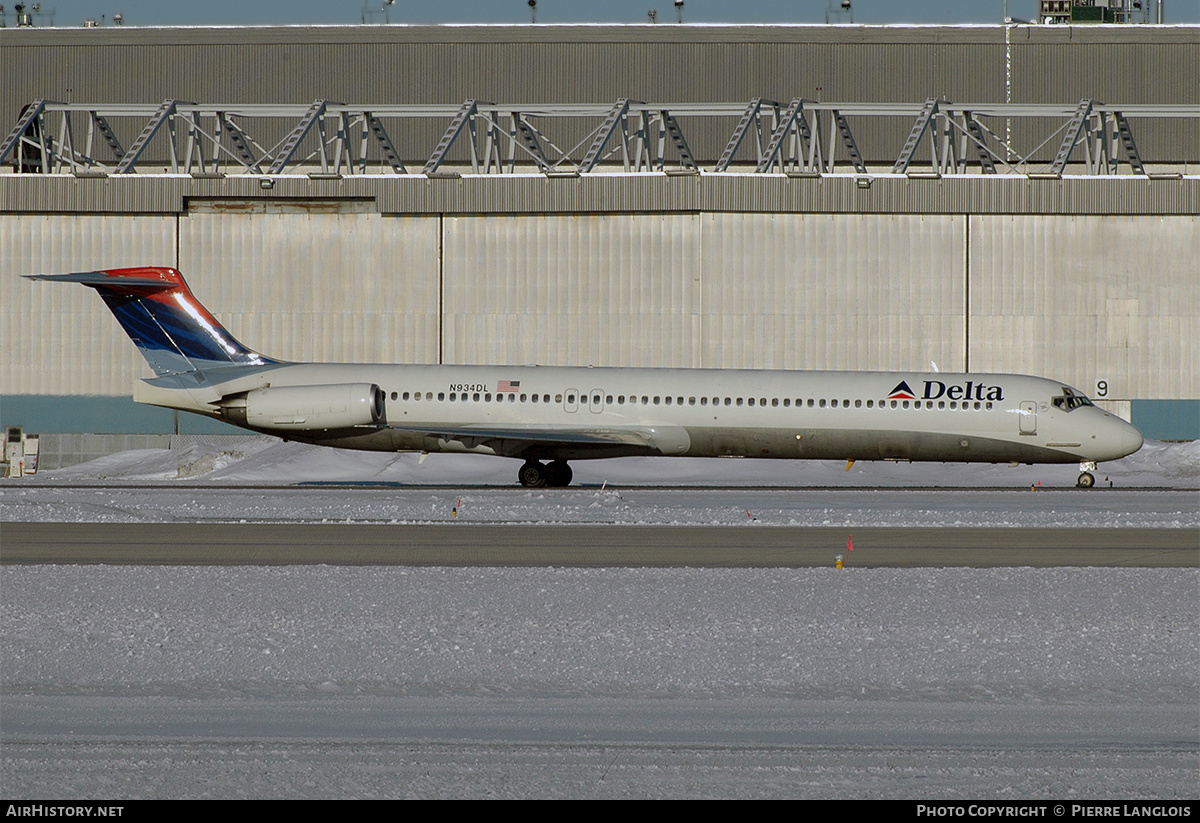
269,480
267,461
123,682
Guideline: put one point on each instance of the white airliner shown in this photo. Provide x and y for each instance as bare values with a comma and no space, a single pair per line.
546,416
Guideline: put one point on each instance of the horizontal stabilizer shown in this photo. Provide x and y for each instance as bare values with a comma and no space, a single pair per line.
108,280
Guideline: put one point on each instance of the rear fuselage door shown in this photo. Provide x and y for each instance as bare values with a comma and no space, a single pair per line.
596,401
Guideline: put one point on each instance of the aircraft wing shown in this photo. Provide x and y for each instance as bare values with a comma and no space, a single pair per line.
654,438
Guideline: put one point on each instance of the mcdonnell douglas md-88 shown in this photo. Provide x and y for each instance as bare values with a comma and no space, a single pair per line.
546,416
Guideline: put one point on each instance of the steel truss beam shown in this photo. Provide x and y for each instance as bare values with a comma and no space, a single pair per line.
334,139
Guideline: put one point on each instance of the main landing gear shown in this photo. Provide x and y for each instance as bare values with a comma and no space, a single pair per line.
535,475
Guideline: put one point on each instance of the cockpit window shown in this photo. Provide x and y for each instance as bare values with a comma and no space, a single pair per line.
1070,401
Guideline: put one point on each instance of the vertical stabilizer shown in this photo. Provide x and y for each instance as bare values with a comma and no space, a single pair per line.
164,320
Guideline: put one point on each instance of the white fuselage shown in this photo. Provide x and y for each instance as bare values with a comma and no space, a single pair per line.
542,412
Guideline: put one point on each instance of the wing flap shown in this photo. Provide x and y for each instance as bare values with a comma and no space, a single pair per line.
663,439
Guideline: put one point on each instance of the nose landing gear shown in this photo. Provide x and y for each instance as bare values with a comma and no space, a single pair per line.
1086,478
555,474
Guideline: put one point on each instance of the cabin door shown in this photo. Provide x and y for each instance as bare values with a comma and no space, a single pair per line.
1028,417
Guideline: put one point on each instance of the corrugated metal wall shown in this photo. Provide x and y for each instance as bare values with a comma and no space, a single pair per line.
318,286
1088,299
833,291
607,193
1080,298
597,64
611,290
56,340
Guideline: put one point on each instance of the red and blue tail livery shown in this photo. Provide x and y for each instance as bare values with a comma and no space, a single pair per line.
546,416
164,320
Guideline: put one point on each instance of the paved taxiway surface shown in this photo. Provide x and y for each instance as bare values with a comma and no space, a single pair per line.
589,545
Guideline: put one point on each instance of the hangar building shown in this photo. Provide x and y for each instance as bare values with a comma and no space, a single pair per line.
990,198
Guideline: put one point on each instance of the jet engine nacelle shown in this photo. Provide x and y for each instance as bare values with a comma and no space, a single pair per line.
304,408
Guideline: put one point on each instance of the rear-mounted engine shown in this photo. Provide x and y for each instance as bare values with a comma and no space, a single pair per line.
305,408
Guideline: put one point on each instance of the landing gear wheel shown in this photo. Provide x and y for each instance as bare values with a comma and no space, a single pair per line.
532,475
558,474
1086,481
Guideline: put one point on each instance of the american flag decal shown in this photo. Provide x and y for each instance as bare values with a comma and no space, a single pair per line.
508,385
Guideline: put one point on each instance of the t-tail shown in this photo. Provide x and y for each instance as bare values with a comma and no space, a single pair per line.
164,320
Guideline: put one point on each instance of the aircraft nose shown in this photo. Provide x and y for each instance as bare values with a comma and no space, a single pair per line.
1113,439
1131,438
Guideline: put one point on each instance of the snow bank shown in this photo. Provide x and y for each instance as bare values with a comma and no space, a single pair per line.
269,461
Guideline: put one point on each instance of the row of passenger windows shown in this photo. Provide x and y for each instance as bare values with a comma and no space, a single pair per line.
659,400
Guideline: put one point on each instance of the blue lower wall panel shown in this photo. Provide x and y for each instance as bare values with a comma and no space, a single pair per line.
1167,419
40,414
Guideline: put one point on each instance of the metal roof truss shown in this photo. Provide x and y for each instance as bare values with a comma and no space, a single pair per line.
334,139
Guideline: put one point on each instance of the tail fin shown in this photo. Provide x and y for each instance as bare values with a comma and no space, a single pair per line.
164,320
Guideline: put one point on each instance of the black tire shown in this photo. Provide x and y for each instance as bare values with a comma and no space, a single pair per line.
1086,481
532,475
558,474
